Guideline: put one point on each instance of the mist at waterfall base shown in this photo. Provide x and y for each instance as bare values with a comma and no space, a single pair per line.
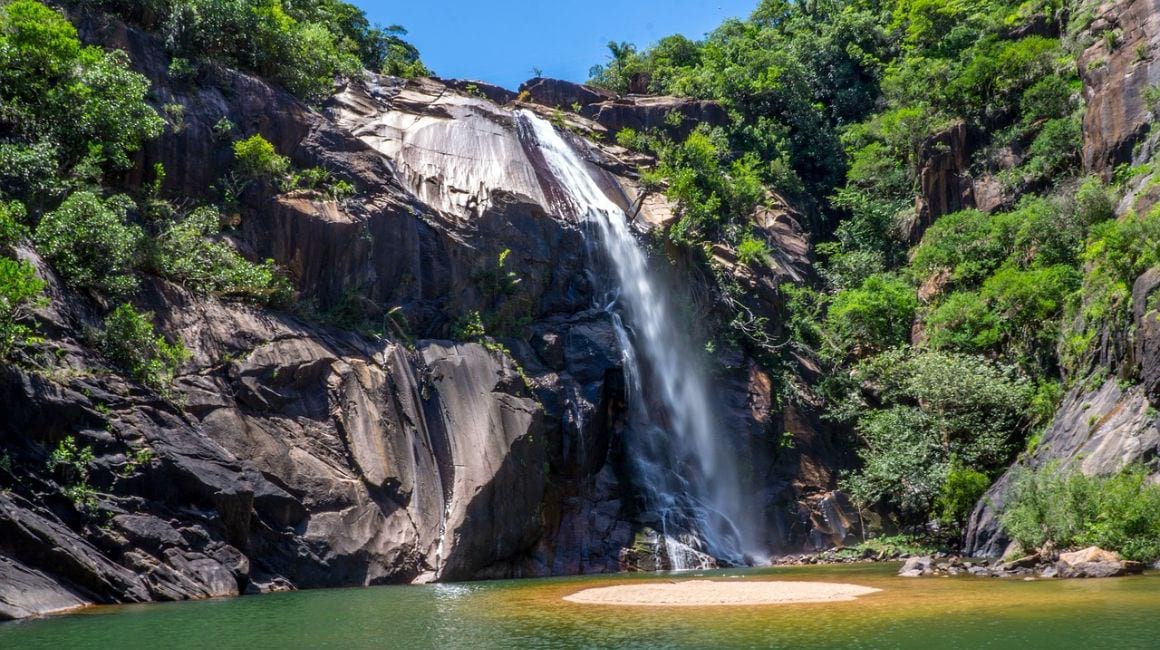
682,460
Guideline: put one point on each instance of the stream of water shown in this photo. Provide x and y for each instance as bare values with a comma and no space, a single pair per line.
682,459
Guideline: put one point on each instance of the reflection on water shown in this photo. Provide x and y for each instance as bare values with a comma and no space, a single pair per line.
920,613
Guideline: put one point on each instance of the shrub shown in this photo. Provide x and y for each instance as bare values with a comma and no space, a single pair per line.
468,327
1057,147
187,253
66,107
1048,98
932,410
1119,512
256,157
71,463
875,316
12,228
90,244
752,250
963,488
21,291
1094,202
969,244
130,342
964,322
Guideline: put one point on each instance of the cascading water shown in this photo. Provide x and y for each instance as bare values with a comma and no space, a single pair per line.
683,461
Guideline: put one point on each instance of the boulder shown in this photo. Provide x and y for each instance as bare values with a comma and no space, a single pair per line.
916,566
1094,562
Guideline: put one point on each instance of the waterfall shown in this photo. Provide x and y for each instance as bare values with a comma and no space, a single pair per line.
681,457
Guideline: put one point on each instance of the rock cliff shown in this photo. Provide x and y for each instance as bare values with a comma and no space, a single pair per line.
290,453
1108,419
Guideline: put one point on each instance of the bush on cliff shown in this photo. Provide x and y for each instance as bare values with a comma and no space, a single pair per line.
189,252
20,293
1118,512
130,342
68,112
304,45
91,244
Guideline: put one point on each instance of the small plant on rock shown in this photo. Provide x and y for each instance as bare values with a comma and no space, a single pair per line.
71,464
130,342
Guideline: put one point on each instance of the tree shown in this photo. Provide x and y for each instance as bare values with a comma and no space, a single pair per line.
873,317
66,110
918,414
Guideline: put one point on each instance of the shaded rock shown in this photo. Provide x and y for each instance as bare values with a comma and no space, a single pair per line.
40,543
1146,318
1025,562
557,93
497,94
27,592
944,184
651,113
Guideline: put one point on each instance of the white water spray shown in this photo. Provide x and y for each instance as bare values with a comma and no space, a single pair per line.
682,457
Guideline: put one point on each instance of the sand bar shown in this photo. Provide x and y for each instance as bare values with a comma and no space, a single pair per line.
716,592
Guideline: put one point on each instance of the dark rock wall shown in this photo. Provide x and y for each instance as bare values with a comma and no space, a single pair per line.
291,454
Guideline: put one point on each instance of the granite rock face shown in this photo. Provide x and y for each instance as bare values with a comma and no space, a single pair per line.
289,453
1115,77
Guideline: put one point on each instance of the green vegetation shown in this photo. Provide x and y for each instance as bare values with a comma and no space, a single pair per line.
256,157
130,342
936,415
20,292
303,45
71,462
69,113
91,243
940,349
872,317
1064,508
187,253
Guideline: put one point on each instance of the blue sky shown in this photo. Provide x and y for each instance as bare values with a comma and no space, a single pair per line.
501,41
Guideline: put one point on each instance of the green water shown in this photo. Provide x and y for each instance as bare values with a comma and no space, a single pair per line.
914,613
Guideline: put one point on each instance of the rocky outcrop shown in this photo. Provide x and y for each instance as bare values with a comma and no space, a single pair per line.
1095,431
560,94
1121,61
654,113
492,92
1108,418
945,185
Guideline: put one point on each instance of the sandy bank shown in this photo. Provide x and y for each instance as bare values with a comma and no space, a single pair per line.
715,592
